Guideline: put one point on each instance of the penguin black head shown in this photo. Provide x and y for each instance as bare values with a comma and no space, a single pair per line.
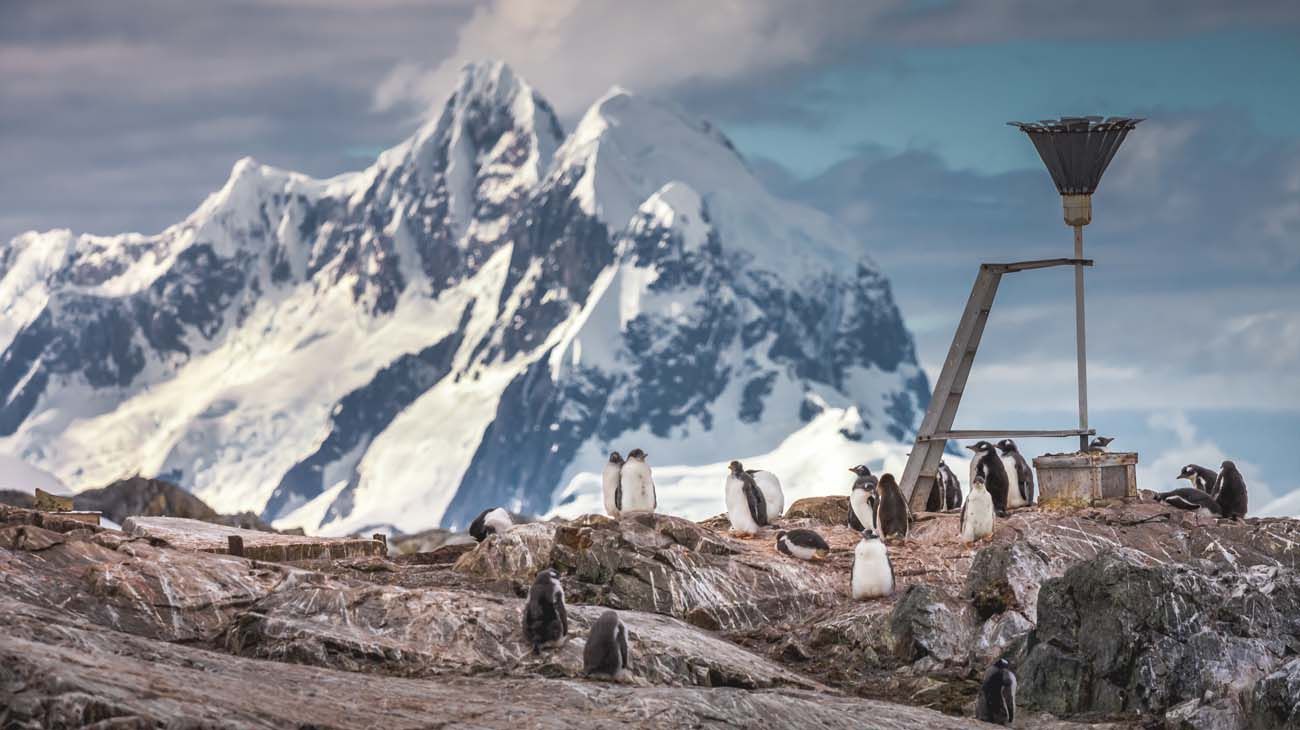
548,575
1002,664
861,470
637,454
1007,446
870,534
615,457
867,483
1228,466
736,468
1101,441
1188,472
780,534
981,447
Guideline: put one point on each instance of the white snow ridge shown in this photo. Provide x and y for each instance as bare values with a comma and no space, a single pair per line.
474,320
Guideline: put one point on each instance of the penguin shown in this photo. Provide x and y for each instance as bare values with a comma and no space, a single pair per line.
1230,491
977,514
863,499
873,574
1201,477
638,486
606,655
951,487
1192,500
1100,443
935,502
988,463
802,544
746,507
490,521
894,516
546,622
611,484
997,699
772,492
1020,478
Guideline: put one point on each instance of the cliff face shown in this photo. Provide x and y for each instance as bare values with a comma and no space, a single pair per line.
1130,615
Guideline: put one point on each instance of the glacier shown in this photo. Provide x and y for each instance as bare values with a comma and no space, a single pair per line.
475,319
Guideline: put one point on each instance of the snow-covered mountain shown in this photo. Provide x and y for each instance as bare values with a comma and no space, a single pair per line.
475,319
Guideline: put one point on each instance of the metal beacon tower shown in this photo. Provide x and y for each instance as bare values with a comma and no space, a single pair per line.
1076,151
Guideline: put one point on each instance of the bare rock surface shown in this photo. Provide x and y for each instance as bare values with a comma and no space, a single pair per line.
214,538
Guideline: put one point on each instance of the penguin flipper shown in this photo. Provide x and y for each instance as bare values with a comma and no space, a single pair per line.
961,529
1025,478
621,635
757,503
1009,698
854,523
618,495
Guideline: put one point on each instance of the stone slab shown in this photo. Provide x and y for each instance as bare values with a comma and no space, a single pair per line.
269,546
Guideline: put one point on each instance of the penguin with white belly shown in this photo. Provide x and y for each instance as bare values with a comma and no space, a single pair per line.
977,513
987,463
637,484
746,507
1201,477
873,574
611,485
492,521
1020,478
864,498
803,544
951,487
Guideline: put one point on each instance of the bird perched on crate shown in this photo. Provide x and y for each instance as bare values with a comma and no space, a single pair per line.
1100,443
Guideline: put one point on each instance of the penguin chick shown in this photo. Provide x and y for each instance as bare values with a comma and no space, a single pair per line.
873,574
803,544
977,514
746,507
491,521
773,494
611,485
997,698
546,622
894,516
606,654
638,485
1230,491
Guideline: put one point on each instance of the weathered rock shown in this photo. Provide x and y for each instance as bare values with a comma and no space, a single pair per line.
1276,700
831,510
1006,577
257,545
1124,633
929,623
515,555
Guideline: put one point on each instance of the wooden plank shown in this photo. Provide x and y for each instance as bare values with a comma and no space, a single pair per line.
269,546
987,433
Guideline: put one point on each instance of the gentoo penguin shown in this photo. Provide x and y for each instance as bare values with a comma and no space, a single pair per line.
863,499
873,574
490,521
894,515
977,513
997,699
935,502
638,484
802,544
1230,491
546,622
606,654
1201,477
772,492
1100,443
951,487
611,484
1190,499
1020,478
996,481
746,507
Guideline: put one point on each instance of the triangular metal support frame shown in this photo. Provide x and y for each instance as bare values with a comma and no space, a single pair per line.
936,427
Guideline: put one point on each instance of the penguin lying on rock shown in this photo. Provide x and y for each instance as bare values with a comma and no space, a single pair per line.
1192,500
491,521
802,544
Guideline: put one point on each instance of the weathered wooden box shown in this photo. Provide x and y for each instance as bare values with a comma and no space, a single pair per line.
1082,477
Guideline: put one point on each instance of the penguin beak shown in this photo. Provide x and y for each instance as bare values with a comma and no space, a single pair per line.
972,448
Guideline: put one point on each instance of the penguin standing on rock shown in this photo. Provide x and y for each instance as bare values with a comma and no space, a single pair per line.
770,486
802,544
997,699
637,484
977,514
546,622
490,521
895,518
873,574
1020,478
1230,491
606,654
989,464
746,507
1192,500
951,487
1201,477
611,484
863,499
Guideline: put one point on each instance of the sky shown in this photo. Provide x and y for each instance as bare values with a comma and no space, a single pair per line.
888,115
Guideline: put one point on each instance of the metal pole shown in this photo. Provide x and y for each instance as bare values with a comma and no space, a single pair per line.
1080,339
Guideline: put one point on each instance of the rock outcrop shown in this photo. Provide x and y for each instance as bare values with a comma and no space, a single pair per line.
1131,615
